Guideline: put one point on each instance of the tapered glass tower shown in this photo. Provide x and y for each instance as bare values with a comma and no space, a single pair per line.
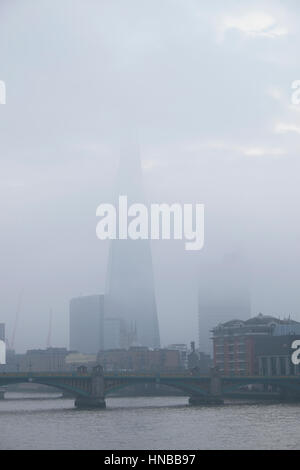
130,294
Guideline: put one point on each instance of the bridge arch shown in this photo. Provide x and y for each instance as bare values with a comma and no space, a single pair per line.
189,389
64,387
234,384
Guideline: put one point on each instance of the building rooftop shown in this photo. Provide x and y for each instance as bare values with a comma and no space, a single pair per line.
258,321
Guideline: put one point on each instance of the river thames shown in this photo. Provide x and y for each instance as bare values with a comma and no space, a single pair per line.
49,422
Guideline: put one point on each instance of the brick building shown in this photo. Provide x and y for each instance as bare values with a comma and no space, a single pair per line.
239,346
37,360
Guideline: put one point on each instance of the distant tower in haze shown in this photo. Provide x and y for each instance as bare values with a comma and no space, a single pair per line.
2,331
86,324
130,294
223,295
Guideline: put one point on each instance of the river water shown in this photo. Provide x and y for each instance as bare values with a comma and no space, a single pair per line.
49,422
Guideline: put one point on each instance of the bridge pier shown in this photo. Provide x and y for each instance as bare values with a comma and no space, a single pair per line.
214,397
85,403
205,400
96,400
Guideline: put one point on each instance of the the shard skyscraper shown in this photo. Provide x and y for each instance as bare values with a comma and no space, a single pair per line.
130,294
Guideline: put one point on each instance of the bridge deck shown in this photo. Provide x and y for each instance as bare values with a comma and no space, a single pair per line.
135,376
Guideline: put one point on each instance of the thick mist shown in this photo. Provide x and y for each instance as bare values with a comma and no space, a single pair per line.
208,89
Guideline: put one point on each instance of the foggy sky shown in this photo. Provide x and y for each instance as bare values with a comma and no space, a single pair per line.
207,85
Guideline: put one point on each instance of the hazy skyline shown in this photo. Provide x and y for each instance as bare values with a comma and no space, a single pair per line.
208,88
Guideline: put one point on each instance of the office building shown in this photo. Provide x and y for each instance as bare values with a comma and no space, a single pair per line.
38,360
114,334
2,344
87,324
223,295
2,331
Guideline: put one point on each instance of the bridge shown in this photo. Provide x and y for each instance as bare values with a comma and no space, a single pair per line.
91,388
